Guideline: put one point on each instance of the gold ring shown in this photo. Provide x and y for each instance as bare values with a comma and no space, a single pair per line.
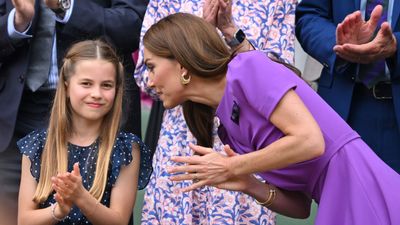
196,178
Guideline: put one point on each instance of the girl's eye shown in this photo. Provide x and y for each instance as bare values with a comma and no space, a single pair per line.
108,85
85,84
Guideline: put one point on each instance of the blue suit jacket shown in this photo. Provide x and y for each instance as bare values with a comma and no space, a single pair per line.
316,22
118,21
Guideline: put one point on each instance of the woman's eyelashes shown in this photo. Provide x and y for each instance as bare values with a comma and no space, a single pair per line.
150,67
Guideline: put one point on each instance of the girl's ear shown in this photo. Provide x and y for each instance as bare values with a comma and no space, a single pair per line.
66,88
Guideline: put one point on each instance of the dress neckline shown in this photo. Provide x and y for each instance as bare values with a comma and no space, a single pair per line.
84,147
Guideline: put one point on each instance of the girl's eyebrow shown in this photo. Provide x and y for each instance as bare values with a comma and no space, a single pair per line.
85,79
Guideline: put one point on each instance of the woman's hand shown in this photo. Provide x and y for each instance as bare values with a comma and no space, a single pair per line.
69,185
219,14
225,21
236,183
210,11
207,168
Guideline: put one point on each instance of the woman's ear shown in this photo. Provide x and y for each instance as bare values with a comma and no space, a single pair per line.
184,70
185,77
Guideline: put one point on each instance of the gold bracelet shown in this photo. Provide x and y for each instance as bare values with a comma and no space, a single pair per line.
270,198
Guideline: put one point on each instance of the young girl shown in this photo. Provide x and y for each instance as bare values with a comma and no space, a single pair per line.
83,138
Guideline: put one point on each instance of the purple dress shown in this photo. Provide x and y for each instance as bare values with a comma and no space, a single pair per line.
349,182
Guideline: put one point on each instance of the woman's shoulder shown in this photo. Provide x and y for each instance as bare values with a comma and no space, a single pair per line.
248,67
251,57
256,65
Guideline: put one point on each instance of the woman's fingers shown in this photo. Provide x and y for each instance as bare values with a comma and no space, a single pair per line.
200,149
194,186
187,169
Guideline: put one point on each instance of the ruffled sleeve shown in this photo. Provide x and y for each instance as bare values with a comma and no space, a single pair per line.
32,146
122,156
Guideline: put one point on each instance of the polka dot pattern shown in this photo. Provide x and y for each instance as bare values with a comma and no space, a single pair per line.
32,146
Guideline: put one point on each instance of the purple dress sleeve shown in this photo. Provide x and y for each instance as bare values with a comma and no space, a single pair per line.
269,81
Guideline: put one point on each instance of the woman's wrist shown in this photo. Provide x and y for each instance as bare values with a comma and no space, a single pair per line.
254,187
245,46
229,32
231,165
269,198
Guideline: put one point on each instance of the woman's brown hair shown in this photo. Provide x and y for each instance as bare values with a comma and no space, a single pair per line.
198,47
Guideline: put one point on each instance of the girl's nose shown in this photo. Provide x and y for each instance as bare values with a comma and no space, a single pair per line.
96,92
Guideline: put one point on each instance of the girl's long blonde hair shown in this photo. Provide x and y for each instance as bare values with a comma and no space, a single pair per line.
54,158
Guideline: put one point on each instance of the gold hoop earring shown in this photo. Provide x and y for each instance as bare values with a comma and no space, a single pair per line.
184,80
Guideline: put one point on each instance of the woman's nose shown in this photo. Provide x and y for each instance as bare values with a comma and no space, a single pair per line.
150,83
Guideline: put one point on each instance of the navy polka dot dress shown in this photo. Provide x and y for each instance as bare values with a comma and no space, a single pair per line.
32,146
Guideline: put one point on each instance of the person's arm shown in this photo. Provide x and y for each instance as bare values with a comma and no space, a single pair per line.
120,22
28,211
302,141
272,34
226,24
24,12
123,194
382,47
22,15
289,203
316,32
393,62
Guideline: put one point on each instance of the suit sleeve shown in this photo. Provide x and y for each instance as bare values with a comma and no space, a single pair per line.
394,61
316,32
6,47
119,22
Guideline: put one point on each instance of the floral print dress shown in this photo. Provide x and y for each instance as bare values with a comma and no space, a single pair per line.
269,25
